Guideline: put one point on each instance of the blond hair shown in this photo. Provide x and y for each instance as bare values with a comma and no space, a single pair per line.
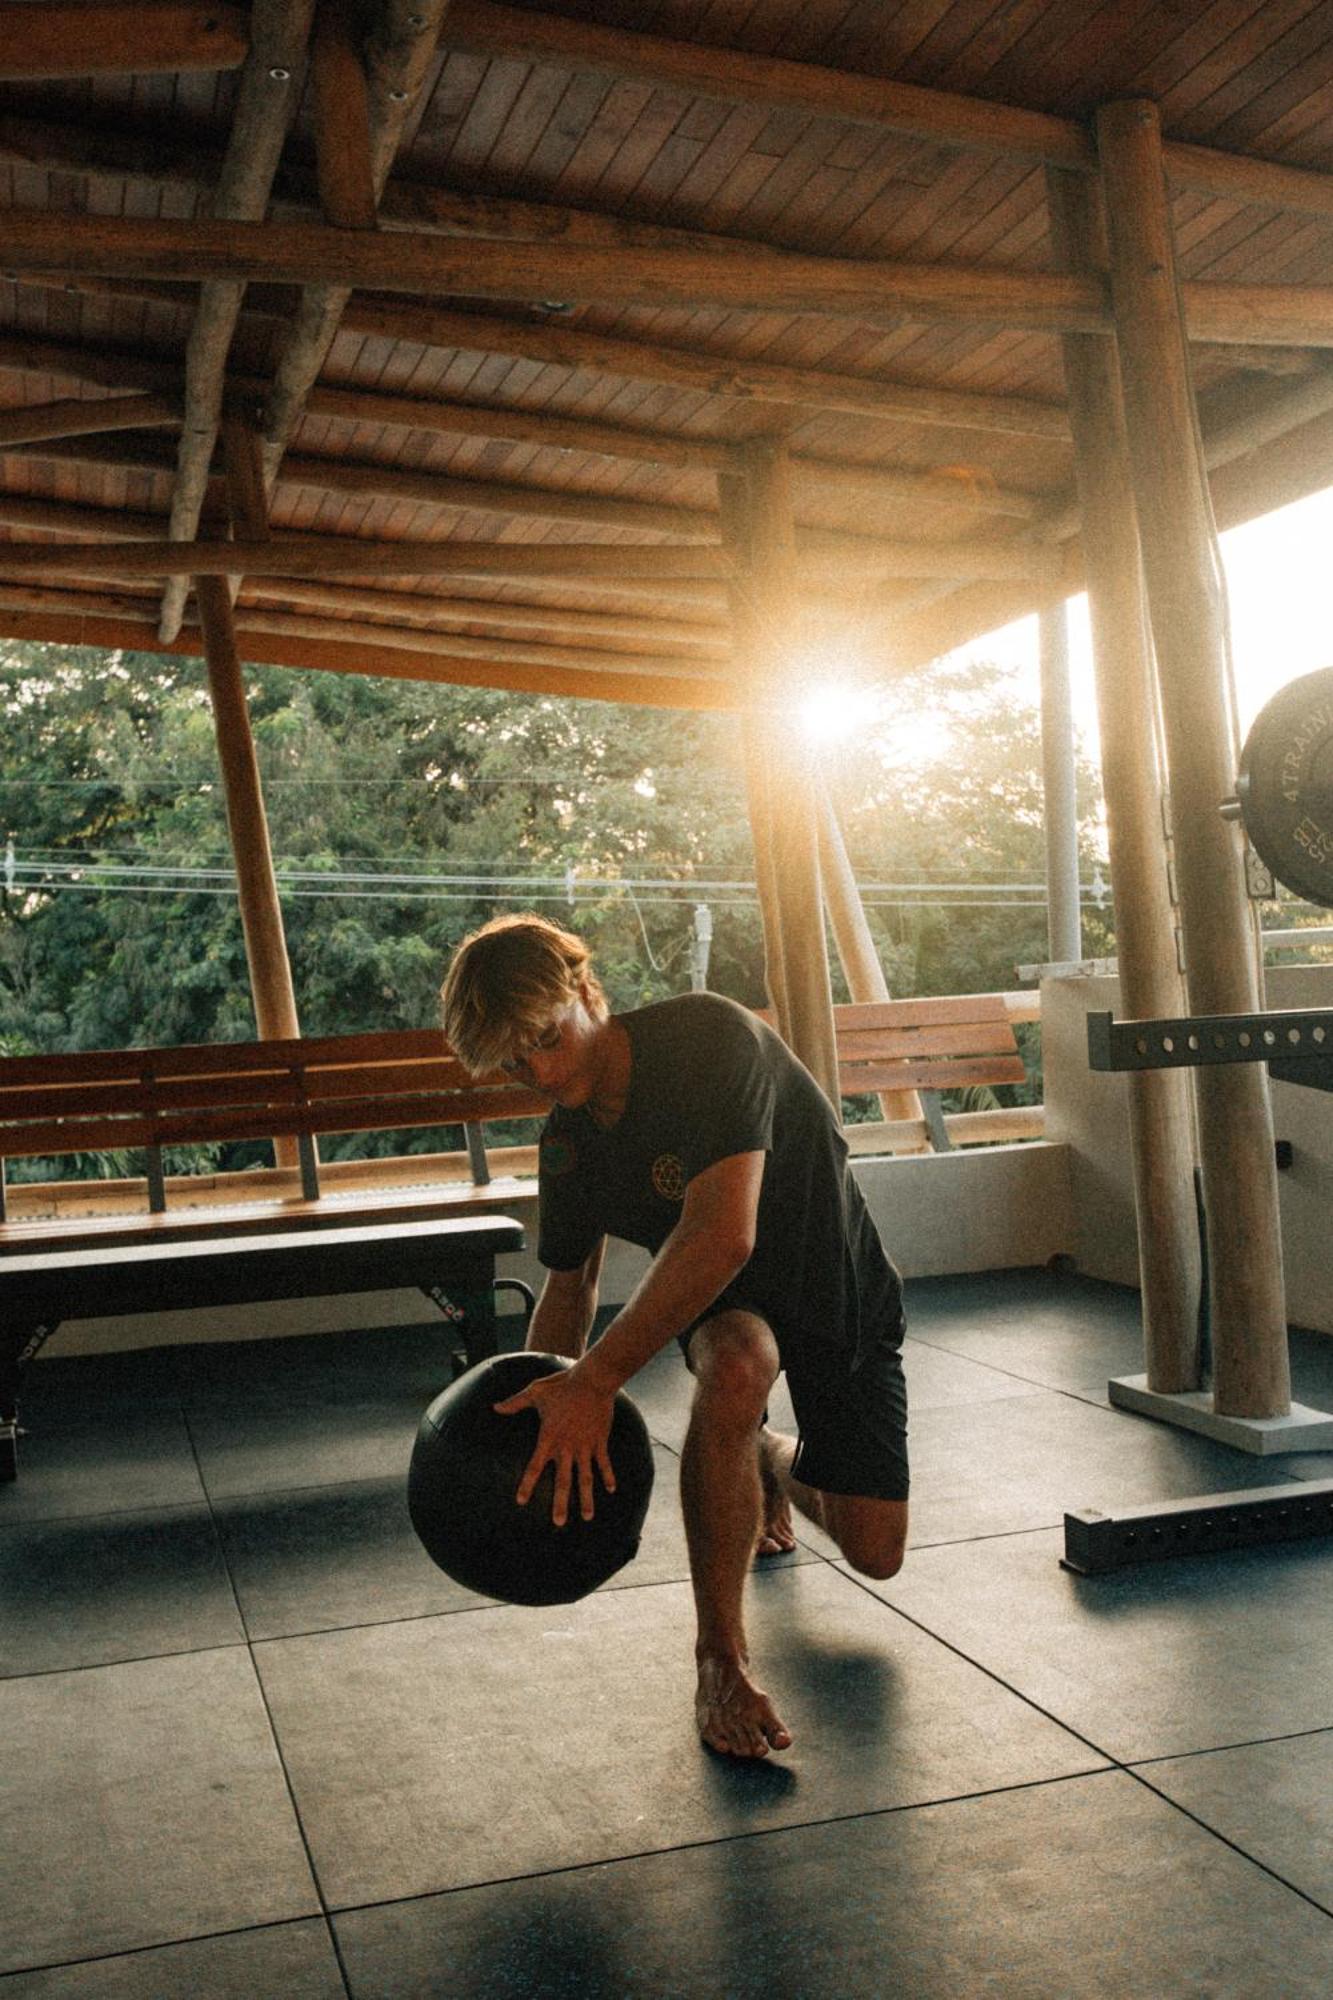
507,982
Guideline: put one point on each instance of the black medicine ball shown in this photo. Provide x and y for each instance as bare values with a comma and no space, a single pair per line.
466,1465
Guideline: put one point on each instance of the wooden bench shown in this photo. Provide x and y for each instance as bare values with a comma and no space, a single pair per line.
929,1046
444,1238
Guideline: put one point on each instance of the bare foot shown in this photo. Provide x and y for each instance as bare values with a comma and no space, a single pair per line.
775,1536
733,1714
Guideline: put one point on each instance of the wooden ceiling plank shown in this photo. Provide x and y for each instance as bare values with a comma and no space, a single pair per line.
265,102
134,39
736,77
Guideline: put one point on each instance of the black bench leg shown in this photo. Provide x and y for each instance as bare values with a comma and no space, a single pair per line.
17,1348
470,1312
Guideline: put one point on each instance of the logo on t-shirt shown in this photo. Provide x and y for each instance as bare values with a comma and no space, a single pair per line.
557,1155
669,1177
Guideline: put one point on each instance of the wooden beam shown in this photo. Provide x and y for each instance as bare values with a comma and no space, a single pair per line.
82,416
70,625
713,374
143,38
878,294
340,112
1185,605
165,160
266,100
1280,315
1161,1137
732,76
256,882
326,555
397,60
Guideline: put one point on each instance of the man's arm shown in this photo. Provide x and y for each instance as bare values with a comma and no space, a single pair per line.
708,1246
563,1316
712,1242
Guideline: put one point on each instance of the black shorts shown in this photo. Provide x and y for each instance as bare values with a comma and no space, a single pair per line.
851,1418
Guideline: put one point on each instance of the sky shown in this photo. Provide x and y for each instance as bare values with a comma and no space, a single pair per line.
1279,574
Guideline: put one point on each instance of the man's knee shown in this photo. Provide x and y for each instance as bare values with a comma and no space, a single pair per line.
873,1537
735,1362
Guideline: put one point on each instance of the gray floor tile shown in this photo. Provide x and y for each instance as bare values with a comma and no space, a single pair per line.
1085,1890
63,1385
283,1962
455,1750
89,1461
93,1589
332,1556
1273,1800
273,1447
1006,1466
148,1806
412,1361
1167,1658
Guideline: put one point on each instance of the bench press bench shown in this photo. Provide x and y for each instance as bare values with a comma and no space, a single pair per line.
443,1238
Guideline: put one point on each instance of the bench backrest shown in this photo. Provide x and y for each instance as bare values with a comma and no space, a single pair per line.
936,1044
104,1100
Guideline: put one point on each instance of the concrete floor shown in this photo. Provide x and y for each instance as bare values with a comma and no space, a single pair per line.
256,1745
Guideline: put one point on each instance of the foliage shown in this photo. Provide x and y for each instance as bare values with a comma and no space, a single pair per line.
403,814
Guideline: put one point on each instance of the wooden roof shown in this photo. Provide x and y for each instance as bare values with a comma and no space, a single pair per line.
511,286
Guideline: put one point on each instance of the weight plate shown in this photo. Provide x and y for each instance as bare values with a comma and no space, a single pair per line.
1286,786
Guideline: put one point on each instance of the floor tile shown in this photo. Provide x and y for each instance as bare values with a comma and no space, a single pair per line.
1272,1800
412,1361
454,1750
155,1811
86,1591
1069,1334
1169,1657
87,1461
1090,1889
331,1556
272,1447
67,1384
1005,1466
283,1962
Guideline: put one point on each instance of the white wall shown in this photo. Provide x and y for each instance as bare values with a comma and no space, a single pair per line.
980,1210
1088,1110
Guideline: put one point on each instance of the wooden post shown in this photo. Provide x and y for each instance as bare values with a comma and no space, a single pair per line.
257,889
851,935
1160,1113
768,617
1060,806
1185,606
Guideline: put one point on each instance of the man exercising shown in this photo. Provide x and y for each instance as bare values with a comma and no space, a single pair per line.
688,1127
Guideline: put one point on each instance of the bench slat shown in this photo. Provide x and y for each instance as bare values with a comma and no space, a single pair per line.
214,1125
879,1044
857,1079
225,1058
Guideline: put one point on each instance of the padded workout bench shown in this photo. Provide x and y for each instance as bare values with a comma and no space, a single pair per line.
442,1238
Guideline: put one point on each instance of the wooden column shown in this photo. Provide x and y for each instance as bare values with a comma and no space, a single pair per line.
851,935
785,823
1059,803
1185,607
261,916
1160,1109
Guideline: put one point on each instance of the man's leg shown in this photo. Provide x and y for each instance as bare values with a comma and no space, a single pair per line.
872,1534
734,1358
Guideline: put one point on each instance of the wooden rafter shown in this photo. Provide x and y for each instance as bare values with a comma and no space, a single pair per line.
266,99
120,38
732,76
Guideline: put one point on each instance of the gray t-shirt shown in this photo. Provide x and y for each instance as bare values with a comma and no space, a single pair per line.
708,1080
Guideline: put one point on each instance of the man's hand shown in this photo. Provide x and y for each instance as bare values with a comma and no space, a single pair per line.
575,1426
